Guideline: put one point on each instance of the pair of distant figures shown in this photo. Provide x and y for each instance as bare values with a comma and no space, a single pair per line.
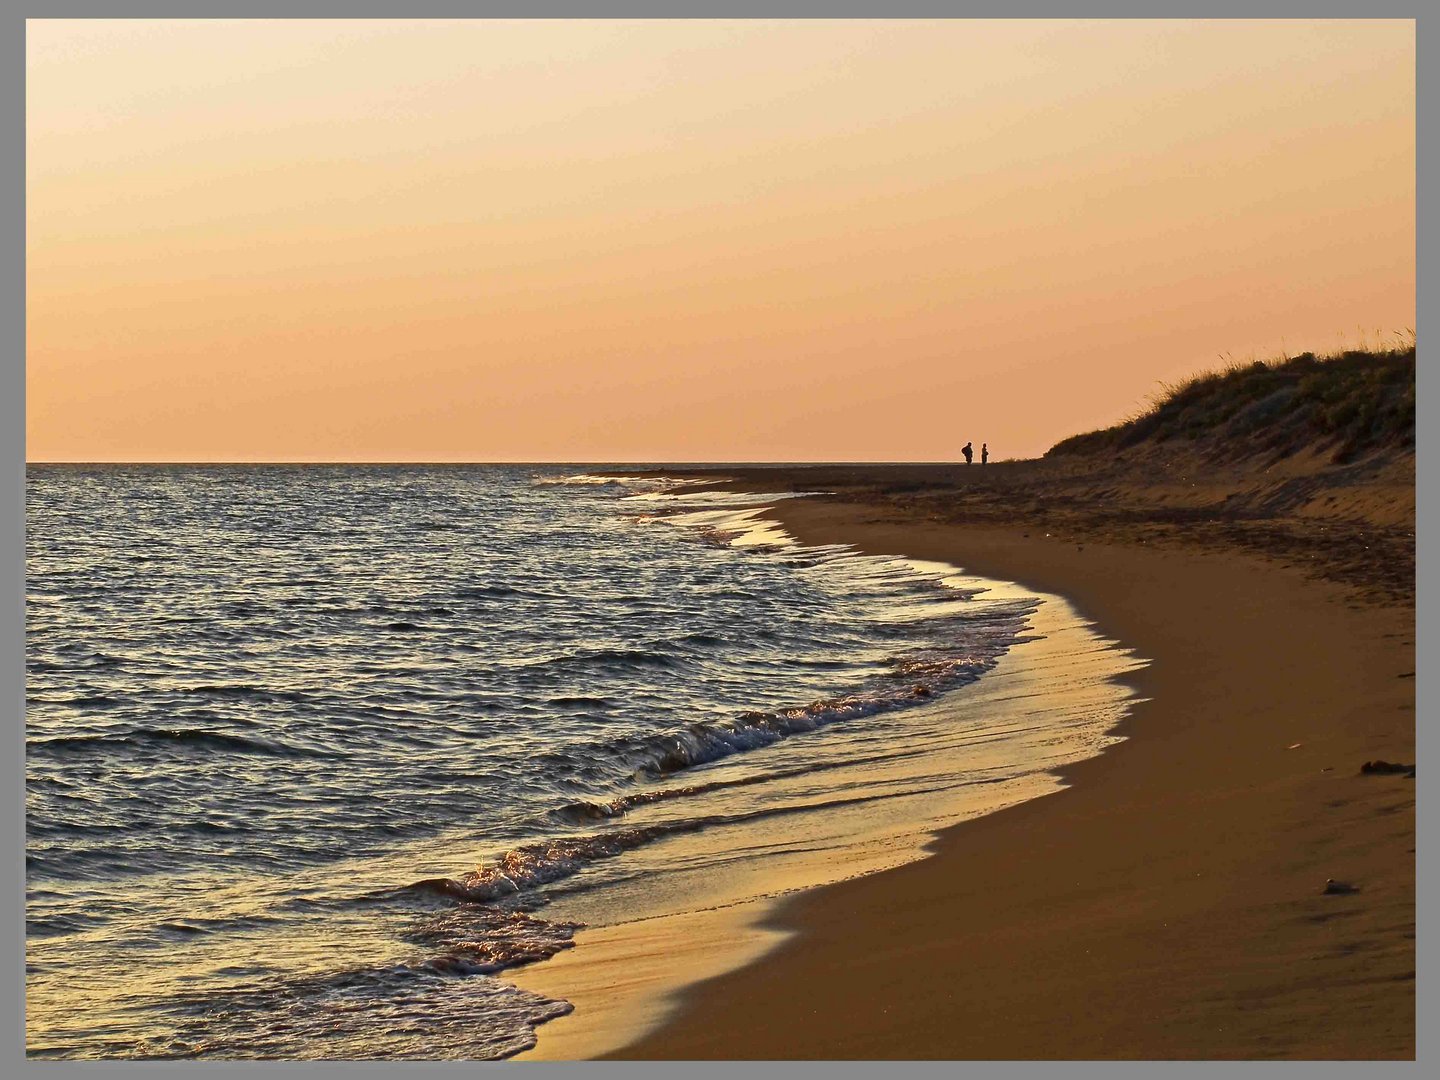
969,453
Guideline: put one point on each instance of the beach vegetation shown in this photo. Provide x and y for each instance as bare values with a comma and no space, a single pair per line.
1347,405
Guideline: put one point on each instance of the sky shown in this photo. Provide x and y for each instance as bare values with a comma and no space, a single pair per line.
655,241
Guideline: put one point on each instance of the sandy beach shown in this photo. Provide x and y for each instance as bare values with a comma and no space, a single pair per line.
1171,902
574,539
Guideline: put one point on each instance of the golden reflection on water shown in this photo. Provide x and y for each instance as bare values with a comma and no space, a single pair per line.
601,719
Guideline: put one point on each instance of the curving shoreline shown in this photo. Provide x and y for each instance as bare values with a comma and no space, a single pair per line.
1169,903
623,977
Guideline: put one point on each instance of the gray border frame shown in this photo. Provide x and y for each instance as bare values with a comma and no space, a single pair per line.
12,496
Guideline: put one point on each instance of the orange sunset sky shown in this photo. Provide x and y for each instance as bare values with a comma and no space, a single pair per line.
690,241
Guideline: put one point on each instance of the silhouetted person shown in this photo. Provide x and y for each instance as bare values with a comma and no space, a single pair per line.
968,452
984,453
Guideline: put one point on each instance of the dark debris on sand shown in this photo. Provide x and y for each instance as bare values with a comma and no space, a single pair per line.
1388,767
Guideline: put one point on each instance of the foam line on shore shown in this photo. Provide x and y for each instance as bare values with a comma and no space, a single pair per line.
626,978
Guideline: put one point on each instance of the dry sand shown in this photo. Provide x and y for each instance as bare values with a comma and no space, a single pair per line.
1170,903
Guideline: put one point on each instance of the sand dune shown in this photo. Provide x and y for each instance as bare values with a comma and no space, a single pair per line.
1229,882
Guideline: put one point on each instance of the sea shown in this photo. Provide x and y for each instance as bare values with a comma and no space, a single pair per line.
317,754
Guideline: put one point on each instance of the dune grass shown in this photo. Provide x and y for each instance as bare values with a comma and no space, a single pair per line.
1350,404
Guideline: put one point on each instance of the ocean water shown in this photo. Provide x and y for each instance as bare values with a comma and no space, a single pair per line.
316,754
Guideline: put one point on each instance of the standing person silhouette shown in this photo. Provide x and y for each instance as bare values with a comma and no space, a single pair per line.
968,452
984,453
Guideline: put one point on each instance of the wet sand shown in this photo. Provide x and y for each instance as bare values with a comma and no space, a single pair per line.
1170,903
947,760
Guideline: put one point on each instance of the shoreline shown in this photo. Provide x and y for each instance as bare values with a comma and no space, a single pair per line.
623,977
1169,903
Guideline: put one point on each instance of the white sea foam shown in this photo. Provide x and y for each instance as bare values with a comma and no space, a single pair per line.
610,720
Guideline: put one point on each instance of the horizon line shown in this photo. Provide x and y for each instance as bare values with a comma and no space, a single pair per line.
635,462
